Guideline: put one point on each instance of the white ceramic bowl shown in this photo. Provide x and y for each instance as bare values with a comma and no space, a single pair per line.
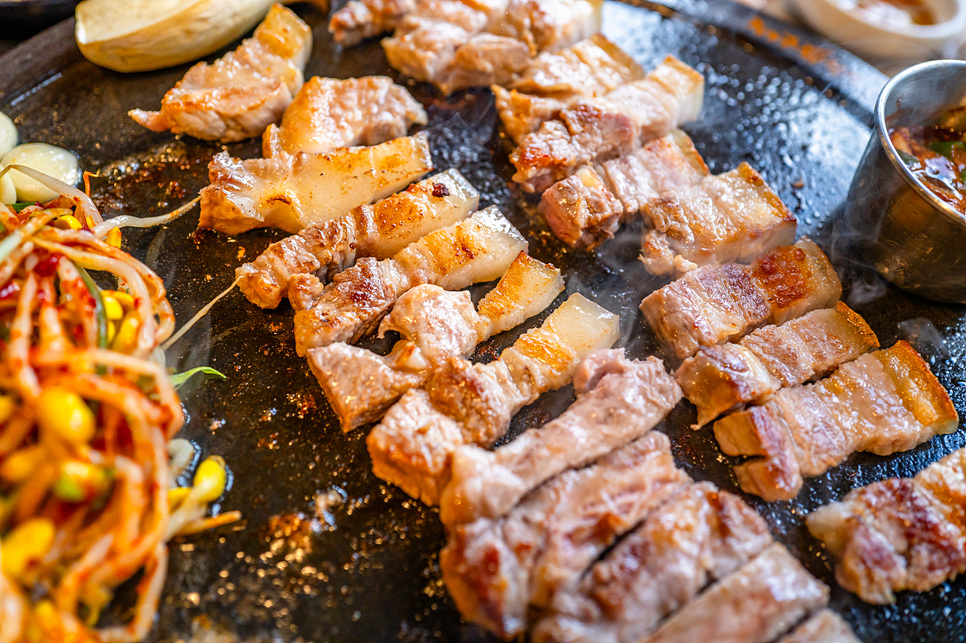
874,39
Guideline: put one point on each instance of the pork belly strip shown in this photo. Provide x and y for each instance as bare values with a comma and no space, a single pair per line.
719,378
244,91
476,249
436,325
898,534
755,604
600,128
824,626
700,536
361,19
466,403
714,304
883,402
328,113
496,570
618,400
293,191
379,230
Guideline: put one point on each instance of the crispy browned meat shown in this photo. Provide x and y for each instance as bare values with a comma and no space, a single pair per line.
824,626
719,378
898,534
476,249
618,400
435,325
380,230
467,403
581,211
240,94
496,570
753,605
884,402
329,112
700,536
714,304
361,19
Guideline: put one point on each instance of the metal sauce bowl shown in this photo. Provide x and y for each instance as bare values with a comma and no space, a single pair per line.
907,233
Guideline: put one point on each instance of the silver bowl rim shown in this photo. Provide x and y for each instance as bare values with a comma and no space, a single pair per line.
883,133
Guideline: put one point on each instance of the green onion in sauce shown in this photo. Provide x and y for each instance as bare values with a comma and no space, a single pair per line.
936,155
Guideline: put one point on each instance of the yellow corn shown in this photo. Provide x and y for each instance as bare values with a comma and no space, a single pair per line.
7,407
65,414
80,481
113,238
111,331
69,221
126,338
123,298
177,495
210,479
25,545
19,465
112,307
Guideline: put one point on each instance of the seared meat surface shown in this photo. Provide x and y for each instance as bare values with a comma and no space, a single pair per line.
361,19
714,304
581,211
699,536
496,569
379,230
883,402
240,94
618,400
898,534
824,626
328,113
719,378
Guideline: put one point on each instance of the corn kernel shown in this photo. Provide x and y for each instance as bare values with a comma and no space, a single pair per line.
111,331
65,414
25,545
70,221
126,338
112,307
210,479
80,481
7,407
123,298
177,495
113,238
19,465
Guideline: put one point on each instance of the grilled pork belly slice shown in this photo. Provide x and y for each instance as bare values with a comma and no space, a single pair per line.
719,378
466,403
824,626
436,325
581,211
292,192
884,402
898,534
361,19
618,400
328,113
244,91
549,25
756,604
700,536
496,570
379,230
474,250
714,304
601,128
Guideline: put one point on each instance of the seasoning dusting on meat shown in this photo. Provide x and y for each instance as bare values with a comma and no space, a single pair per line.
714,304
824,626
898,534
328,113
477,249
379,230
293,191
239,95
496,569
719,378
600,128
467,403
883,402
435,325
361,19
618,400
755,604
700,536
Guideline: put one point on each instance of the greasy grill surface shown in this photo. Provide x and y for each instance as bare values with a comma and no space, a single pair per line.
330,553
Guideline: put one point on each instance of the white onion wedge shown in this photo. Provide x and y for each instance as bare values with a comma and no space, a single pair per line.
8,134
8,191
53,161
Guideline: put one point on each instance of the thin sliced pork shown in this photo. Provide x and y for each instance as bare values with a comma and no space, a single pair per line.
618,400
883,402
823,627
467,403
474,250
239,95
496,570
898,534
714,304
361,19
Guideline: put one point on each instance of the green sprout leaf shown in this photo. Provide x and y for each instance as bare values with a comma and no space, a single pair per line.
180,379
